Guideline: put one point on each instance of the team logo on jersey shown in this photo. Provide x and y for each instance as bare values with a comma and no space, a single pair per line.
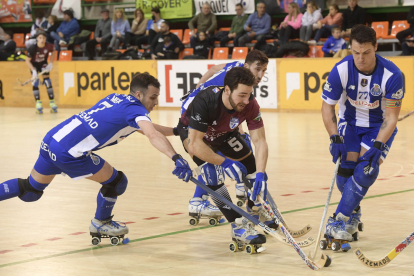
364,82
214,123
216,90
95,159
234,122
327,87
258,117
398,95
376,90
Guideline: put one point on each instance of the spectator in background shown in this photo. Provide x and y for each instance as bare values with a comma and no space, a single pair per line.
1,34
410,31
309,21
408,47
40,24
257,26
174,47
334,43
290,27
352,16
284,4
201,49
8,46
333,19
102,35
206,22
53,24
138,29
153,28
67,28
119,27
236,30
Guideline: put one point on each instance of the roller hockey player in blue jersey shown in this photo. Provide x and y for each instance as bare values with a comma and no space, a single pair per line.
256,61
68,148
369,90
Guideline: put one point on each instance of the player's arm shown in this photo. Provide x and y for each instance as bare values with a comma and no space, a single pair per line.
29,63
197,147
157,139
210,73
166,131
329,118
392,112
259,141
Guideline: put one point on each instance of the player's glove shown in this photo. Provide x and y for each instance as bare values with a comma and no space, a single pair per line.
34,77
175,131
49,67
337,148
248,140
182,169
234,169
373,155
259,187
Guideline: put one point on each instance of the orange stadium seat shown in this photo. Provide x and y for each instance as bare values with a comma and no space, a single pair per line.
239,52
178,33
397,26
187,35
65,55
381,28
186,52
55,58
221,53
19,39
315,51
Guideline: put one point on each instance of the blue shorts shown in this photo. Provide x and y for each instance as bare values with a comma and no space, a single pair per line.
54,159
356,137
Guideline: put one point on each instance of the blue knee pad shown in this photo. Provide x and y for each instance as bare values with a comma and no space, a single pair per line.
30,189
47,82
366,173
345,171
213,175
36,84
116,185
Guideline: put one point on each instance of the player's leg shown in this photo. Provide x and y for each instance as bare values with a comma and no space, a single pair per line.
36,93
48,83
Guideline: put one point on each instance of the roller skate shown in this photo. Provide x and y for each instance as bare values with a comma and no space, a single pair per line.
245,237
354,224
53,106
201,208
39,107
261,213
108,228
336,237
240,194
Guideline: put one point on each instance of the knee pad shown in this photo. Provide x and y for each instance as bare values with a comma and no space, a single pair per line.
28,192
116,187
36,84
365,174
345,171
213,175
47,82
250,163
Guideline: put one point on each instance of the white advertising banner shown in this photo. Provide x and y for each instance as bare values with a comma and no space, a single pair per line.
220,7
179,77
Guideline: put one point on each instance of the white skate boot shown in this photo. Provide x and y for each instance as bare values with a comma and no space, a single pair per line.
39,107
240,194
201,208
259,211
108,229
244,236
354,224
336,237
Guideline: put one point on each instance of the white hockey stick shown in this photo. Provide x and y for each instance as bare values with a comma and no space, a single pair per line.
406,115
388,258
32,79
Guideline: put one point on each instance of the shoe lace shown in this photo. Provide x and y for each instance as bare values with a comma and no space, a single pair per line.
354,217
248,226
339,224
110,223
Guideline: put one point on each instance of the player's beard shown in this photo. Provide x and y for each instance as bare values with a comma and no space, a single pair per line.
236,107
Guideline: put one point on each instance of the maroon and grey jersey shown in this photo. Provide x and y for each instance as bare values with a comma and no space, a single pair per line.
208,114
40,55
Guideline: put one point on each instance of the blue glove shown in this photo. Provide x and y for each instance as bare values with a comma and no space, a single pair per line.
182,169
337,148
234,169
259,187
374,154
247,139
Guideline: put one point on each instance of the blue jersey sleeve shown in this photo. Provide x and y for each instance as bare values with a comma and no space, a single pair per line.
136,112
332,90
395,87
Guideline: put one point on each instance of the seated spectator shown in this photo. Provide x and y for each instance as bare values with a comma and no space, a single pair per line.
67,28
8,46
102,35
206,22
309,21
173,48
352,16
1,34
236,29
408,47
40,24
119,27
52,26
334,43
153,28
333,19
138,29
201,49
257,26
167,50
289,28
284,4
410,31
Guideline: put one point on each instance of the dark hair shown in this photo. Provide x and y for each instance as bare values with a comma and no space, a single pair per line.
256,55
54,18
69,12
239,75
141,81
166,23
41,33
260,2
39,14
156,10
167,39
240,5
313,4
363,34
335,6
9,32
334,29
142,12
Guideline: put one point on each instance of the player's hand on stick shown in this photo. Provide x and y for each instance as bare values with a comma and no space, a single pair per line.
34,76
49,67
259,187
373,155
182,169
337,148
234,169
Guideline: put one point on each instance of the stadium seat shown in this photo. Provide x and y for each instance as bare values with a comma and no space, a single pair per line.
65,55
187,35
397,26
186,52
19,39
121,50
221,53
239,52
178,33
381,28
39,2
315,51
50,54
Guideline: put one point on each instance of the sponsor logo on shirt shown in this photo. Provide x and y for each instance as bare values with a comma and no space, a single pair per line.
258,117
214,123
364,82
197,117
351,87
216,90
365,104
376,90
398,95
327,87
234,122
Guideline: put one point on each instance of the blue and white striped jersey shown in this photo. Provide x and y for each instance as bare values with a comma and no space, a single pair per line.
217,80
105,124
362,97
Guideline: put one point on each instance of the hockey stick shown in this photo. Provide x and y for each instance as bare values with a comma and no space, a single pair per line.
406,115
32,79
324,260
388,258
325,211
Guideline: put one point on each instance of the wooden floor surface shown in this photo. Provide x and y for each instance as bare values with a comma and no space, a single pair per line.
50,236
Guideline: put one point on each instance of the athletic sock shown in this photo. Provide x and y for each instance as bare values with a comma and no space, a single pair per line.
9,189
351,197
199,192
105,205
229,213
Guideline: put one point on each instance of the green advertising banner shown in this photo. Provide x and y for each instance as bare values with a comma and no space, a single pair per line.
170,9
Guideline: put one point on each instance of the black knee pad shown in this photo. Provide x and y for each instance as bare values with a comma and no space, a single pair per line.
117,187
27,192
250,163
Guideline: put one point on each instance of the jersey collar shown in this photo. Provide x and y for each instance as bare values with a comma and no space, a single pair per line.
373,71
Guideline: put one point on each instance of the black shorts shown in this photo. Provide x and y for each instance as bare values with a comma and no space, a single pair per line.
39,66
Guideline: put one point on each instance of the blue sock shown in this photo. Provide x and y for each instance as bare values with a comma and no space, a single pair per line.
200,192
351,197
346,170
105,204
9,189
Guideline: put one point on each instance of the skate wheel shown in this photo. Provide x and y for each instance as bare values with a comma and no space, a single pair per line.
335,246
361,226
323,244
240,203
355,236
193,221
96,241
250,249
345,247
125,241
114,240
213,222
328,261
233,247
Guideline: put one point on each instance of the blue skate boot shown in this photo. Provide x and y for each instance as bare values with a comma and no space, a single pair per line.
245,237
336,237
200,207
114,230
354,224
